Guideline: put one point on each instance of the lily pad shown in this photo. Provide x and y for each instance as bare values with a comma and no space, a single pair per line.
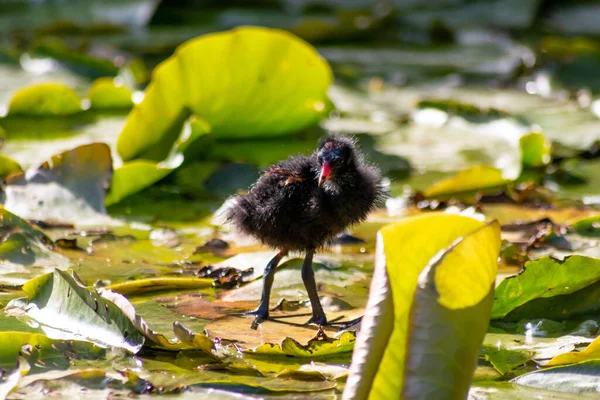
248,82
578,378
70,187
106,94
41,352
8,166
284,334
474,179
150,285
44,100
535,150
423,304
542,278
136,175
591,352
68,311
587,226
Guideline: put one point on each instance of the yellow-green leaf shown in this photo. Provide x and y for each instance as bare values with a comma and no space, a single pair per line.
141,286
106,94
592,352
136,175
469,180
45,100
428,308
8,166
535,150
247,82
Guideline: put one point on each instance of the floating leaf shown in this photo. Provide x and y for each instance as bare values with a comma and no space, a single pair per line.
45,99
428,308
248,82
8,166
592,352
587,226
155,339
284,334
578,378
106,94
65,310
10,382
142,286
42,352
504,360
70,187
136,175
542,278
474,179
535,150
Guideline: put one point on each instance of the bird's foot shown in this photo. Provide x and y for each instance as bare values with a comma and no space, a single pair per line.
320,320
260,315
343,325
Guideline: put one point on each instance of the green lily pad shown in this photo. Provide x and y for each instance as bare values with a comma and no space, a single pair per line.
504,360
589,226
428,310
8,166
248,82
136,175
41,352
10,382
143,286
45,100
106,94
591,352
66,310
474,179
70,187
535,150
578,378
543,278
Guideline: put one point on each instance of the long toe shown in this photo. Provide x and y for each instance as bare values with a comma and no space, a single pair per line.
260,316
318,320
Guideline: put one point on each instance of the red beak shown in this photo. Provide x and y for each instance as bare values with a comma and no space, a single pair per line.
325,172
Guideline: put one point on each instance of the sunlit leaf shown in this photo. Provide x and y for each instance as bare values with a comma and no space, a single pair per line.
106,94
41,352
428,308
65,310
474,179
587,226
578,378
45,99
286,334
546,277
504,360
248,82
10,382
167,283
8,166
591,352
535,150
136,175
70,187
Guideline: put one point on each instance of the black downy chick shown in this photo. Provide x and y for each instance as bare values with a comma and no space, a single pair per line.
302,203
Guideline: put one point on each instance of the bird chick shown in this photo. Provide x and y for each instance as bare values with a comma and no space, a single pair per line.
302,203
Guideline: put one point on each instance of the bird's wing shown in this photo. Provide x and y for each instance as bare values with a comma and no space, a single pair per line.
288,176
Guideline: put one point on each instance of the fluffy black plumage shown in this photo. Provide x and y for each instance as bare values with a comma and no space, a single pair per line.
302,203
286,209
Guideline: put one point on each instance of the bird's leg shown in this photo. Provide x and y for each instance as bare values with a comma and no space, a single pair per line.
308,277
262,312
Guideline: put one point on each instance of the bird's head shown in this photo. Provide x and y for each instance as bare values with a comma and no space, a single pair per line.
335,154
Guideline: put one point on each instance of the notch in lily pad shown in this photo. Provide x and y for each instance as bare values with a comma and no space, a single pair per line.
247,82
